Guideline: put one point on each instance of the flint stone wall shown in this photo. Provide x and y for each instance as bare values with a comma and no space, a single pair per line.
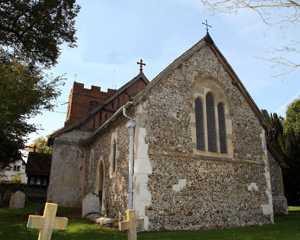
192,192
67,175
115,196
280,205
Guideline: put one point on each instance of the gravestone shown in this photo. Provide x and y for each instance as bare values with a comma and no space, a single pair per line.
17,200
90,204
6,196
48,222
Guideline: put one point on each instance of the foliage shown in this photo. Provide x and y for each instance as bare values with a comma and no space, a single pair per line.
291,149
24,92
41,145
293,117
284,14
37,29
13,226
31,33
285,137
16,179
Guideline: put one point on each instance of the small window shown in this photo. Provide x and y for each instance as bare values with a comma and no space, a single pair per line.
32,181
38,182
114,156
17,168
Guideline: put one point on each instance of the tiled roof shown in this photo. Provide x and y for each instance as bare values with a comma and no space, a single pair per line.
38,163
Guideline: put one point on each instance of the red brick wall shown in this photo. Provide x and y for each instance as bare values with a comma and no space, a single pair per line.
80,98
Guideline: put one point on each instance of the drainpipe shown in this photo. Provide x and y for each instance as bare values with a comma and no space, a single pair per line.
131,125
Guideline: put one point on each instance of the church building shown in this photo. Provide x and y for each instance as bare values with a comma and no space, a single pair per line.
187,150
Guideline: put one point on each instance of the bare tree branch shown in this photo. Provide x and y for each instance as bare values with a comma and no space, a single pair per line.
267,10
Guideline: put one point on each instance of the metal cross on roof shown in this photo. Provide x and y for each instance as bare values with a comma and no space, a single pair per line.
206,25
141,65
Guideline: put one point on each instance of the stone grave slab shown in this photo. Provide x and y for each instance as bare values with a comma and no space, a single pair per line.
90,204
17,200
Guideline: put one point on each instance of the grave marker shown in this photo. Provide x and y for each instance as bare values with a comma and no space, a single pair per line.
17,200
131,225
48,222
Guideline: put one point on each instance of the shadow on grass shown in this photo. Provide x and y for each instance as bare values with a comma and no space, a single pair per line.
13,226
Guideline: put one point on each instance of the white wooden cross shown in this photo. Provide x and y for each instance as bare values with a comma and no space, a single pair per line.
48,222
131,225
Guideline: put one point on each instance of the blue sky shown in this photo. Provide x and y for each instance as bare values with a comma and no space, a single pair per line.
113,35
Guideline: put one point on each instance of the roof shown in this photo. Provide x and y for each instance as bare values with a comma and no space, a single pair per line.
91,114
39,163
276,155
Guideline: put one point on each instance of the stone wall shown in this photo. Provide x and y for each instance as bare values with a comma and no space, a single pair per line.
192,191
279,201
115,184
67,175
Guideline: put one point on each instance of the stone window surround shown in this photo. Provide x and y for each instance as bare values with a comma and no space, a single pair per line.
113,156
98,182
199,90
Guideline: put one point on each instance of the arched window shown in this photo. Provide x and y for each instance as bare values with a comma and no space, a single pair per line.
211,123
199,124
114,156
222,128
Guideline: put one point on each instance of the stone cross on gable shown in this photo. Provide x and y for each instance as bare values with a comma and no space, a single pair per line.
131,225
141,65
48,222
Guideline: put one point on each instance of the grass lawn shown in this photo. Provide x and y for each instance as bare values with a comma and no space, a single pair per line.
13,226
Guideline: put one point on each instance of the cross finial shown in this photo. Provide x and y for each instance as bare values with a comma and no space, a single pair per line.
141,65
206,25
34,148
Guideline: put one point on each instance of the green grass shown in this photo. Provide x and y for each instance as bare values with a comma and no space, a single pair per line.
13,226
294,209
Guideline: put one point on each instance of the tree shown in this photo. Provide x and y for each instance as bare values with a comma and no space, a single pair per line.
293,117
37,28
276,135
31,33
41,145
273,14
292,152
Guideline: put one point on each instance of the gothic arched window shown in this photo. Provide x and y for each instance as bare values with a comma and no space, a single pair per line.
211,123
199,124
222,128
